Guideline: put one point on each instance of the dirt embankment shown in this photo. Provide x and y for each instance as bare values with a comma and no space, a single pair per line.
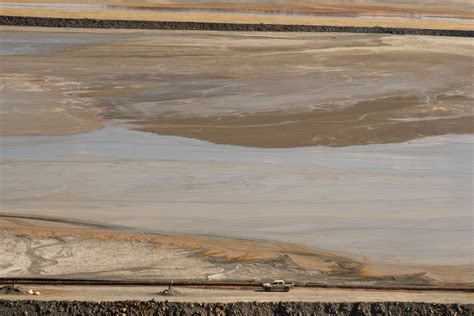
205,26
250,308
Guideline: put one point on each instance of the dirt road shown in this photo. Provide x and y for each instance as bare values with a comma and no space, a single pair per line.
146,293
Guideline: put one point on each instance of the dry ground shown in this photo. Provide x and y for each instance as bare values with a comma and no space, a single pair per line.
115,293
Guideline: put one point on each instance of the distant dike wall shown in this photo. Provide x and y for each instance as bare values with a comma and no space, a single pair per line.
204,26
249,308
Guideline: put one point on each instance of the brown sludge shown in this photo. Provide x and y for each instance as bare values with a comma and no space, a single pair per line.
365,123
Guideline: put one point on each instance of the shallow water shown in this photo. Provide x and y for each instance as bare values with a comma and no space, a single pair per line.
408,202
448,155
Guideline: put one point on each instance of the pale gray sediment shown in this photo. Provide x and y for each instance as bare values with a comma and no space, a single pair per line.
210,26
239,308
436,174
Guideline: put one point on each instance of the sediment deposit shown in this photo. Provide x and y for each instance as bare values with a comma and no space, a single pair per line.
42,248
273,90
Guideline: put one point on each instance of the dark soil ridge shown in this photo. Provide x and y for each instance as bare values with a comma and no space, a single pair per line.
205,26
247,308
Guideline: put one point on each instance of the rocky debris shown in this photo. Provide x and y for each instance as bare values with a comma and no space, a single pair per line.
247,308
206,26
169,292
10,290
14,290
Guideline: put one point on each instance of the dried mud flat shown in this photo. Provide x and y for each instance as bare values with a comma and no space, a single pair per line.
35,247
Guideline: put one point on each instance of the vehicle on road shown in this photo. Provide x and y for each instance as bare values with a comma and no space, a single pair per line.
277,285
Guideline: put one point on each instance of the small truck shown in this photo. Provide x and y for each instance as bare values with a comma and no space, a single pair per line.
277,285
